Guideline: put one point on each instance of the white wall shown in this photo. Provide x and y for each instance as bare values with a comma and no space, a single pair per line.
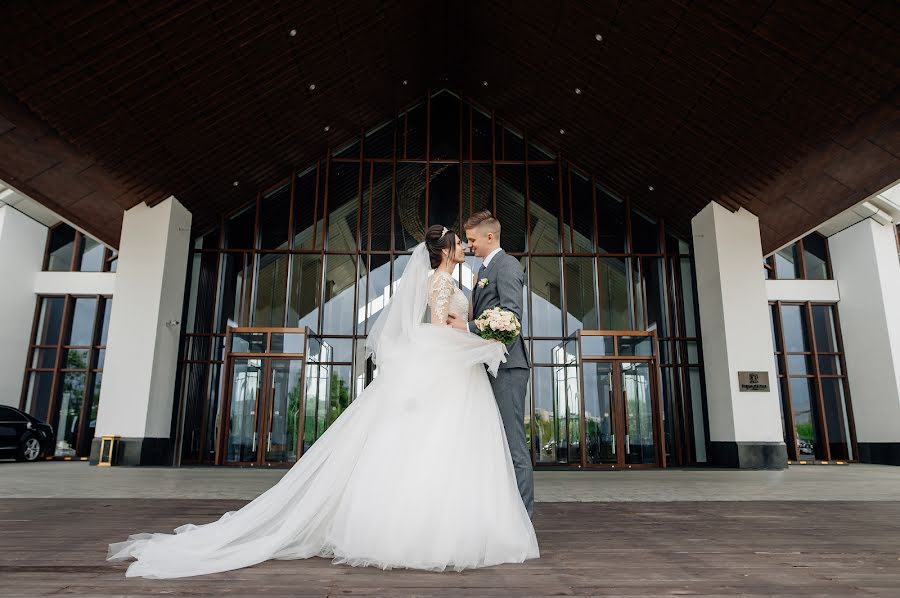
865,265
74,283
803,290
22,242
139,374
735,326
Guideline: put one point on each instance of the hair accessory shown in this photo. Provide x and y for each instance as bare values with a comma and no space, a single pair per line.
444,232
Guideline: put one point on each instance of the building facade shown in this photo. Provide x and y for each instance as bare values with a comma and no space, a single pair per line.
240,343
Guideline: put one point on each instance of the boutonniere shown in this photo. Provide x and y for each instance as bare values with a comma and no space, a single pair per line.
483,283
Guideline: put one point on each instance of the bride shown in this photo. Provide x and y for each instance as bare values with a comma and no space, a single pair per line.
416,473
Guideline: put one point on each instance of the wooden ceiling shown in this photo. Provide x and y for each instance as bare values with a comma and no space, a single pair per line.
789,108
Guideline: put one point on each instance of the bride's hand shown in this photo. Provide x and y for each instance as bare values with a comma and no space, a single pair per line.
457,322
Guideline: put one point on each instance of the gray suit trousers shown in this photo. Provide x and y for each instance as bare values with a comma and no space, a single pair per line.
510,390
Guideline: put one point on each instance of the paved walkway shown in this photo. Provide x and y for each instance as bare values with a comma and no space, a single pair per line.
55,479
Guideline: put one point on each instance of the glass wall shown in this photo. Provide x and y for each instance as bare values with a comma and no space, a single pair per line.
65,368
812,381
68,250
325,247
807,259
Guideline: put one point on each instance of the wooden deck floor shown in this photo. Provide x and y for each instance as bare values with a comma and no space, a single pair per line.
56,546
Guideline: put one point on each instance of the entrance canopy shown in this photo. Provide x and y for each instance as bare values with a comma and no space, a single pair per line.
787,108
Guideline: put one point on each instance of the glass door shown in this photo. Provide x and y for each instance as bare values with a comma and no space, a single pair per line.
282,422
622,410
242,440
600,423
638,422
263,403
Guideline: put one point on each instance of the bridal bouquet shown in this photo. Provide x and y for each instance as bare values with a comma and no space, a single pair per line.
498,324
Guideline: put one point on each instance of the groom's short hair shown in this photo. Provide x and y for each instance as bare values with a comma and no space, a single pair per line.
484,219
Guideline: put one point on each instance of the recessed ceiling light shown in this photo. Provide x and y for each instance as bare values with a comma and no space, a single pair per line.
327,128
312,86
598,37
562,131
405,82
650,188
235,183
293,32
578,90
484,83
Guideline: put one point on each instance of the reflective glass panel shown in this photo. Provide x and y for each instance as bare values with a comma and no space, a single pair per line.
282,436
339,293
546,297
787,262
581,294
615,298
544,209
815,256
92,252
610,223
242,443
82,329
305,211
644,234
343,206
271,289
248,342
825,329
803,402
61,246
303,296
599,412
274,218
68,418
511,206
793,321
836,419
640,444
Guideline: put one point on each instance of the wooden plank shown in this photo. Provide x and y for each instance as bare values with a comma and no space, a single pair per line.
788,548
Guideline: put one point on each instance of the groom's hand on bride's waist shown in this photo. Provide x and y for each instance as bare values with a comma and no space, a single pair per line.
458,323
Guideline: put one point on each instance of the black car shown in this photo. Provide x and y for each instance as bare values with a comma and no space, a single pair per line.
22,436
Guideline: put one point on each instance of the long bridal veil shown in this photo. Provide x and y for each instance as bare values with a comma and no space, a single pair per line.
415,473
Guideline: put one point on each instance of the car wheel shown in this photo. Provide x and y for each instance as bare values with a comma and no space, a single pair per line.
29,449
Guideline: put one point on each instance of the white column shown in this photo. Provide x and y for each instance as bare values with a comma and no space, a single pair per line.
22,243
744,427
865,265
138,389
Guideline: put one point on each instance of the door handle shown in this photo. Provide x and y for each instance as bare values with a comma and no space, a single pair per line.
627,443
254,442
269,442
613,436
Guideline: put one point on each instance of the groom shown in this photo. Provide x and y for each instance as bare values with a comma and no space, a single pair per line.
499,282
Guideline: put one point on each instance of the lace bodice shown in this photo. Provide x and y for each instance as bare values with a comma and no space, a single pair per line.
445,298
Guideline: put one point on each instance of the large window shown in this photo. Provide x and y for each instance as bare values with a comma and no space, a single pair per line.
65,368
812,382
325,247
69,250
807,259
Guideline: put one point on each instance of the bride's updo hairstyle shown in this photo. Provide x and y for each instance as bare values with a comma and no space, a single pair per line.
436,243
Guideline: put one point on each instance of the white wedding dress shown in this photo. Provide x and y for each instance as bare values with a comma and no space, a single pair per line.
416,472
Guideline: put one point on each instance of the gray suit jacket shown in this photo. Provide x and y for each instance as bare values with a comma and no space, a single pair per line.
504,288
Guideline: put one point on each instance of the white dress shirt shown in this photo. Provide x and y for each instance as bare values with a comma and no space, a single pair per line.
487,260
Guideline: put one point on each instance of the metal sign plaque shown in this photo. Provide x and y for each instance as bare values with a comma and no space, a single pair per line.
753,381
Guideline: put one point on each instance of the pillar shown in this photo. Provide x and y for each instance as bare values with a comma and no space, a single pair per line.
744,427
866,267
137,395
